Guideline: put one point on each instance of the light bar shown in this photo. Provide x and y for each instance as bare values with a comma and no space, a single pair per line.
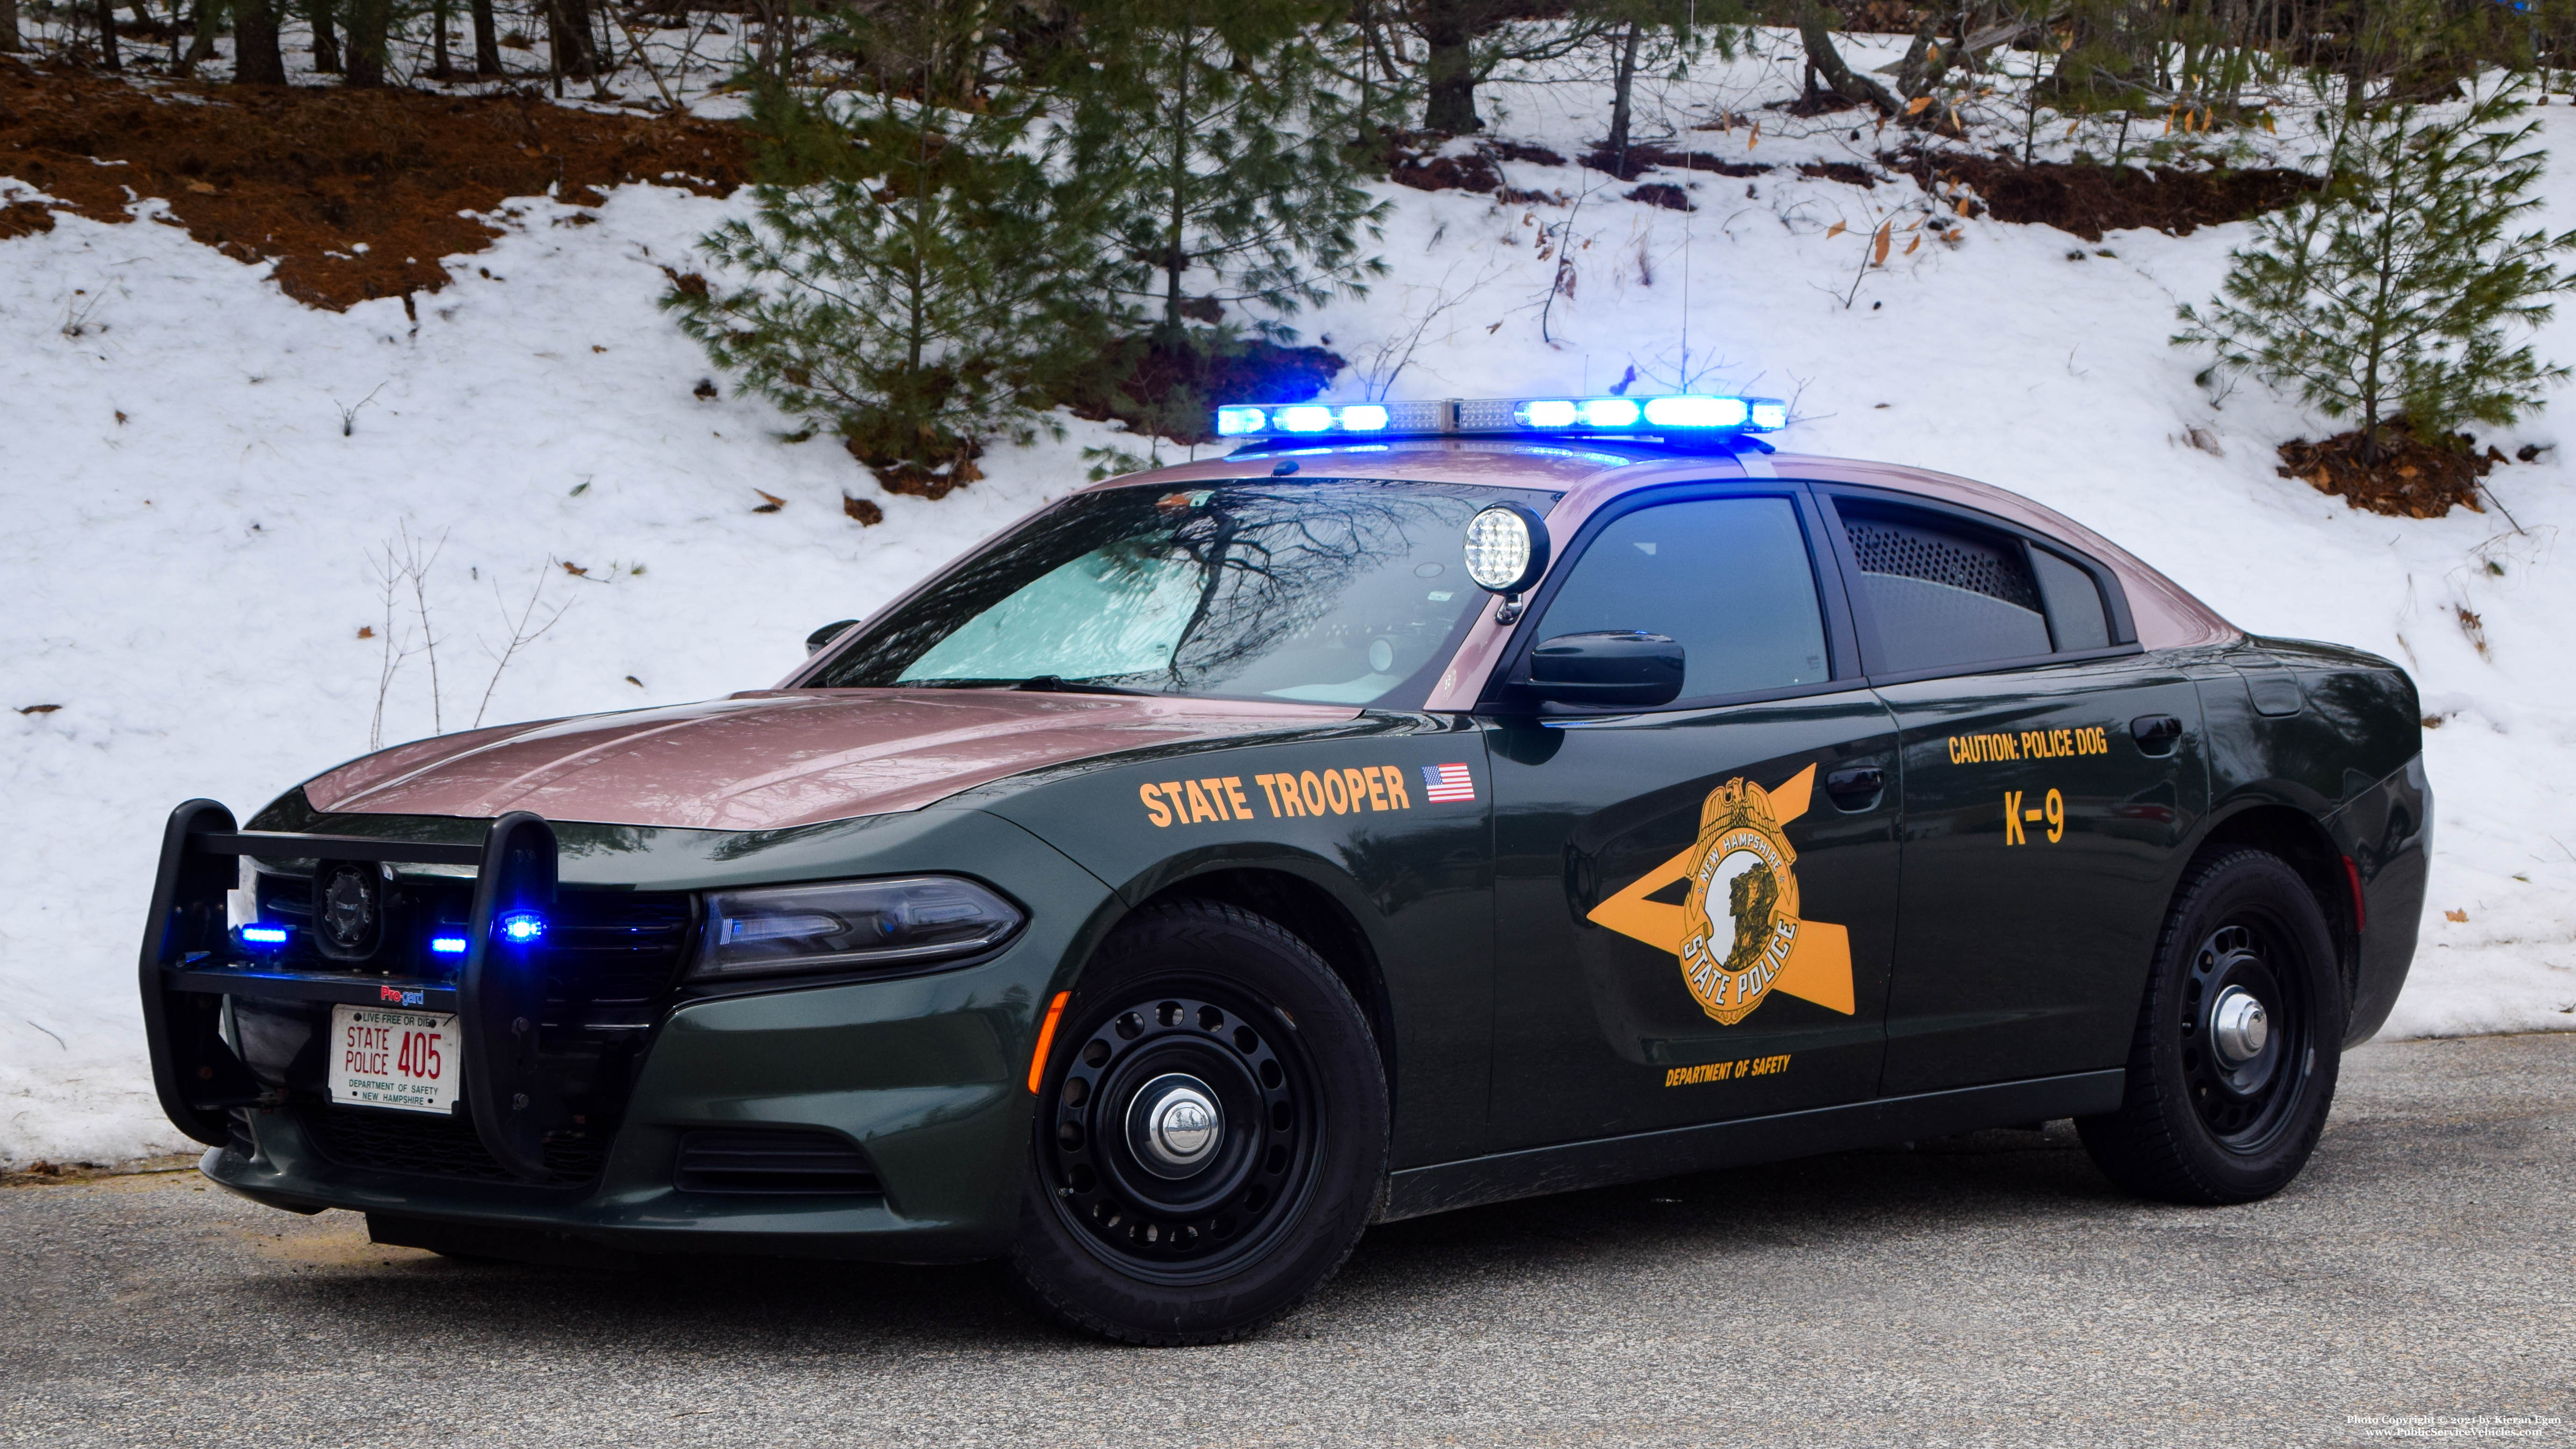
1673,418
263,935
447,945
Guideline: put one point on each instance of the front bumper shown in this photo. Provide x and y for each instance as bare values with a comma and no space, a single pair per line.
925,1074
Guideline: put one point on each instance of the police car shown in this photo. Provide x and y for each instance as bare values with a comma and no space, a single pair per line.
1424,805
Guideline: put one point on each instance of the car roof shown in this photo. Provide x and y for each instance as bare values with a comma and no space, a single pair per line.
1588,473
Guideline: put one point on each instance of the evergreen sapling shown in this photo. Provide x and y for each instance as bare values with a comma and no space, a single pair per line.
2395,292
902,279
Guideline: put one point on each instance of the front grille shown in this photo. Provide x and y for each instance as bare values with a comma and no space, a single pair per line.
429,1145
605,948
611,961
772,1161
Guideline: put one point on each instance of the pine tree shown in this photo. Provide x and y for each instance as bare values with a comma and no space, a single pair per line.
1223,153
905,277
2392,292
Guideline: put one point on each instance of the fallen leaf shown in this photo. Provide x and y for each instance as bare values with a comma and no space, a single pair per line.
631,679
1910,246
1916,106
1755,139
579,489
1833,231
120,420
2446,915
595,347
771,502
1886,234
706,388
201,188
1963,206
576,570
40,709
865,511
366,631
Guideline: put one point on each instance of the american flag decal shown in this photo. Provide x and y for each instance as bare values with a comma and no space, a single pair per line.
1443,783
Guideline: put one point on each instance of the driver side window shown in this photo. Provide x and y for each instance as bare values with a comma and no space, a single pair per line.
1727,578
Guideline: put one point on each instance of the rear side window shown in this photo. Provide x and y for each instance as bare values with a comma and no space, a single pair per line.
2075,613
1942,595
1727,578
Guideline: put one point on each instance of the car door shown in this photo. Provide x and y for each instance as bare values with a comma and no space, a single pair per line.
1693,904
2050,772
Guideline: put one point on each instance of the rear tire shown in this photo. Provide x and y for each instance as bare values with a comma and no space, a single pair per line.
2239,1041
1211,1137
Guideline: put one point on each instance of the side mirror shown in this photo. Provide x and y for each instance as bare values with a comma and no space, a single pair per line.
825,635
1612,667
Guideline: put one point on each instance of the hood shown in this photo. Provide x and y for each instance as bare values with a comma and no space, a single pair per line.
769,760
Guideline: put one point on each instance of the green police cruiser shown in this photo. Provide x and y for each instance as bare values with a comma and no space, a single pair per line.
1427,804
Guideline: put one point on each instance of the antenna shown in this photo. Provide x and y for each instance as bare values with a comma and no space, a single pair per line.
1689,232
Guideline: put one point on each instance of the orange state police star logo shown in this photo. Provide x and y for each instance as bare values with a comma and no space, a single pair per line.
1737,934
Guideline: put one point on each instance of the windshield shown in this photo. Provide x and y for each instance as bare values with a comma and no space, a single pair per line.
1333,591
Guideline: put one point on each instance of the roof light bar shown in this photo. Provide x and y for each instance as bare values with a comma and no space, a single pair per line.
1678,415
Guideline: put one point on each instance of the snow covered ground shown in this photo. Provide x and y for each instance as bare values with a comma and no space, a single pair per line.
200,478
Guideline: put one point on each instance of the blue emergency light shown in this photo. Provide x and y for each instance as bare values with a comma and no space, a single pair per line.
1679,415
519,928
447,945
258,935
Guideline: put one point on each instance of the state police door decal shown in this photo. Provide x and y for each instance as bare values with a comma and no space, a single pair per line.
1737,935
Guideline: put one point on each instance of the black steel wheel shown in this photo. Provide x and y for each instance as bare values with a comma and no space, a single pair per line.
1210,1135
2239,1041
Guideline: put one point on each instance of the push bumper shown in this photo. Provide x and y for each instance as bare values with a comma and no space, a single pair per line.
923,1075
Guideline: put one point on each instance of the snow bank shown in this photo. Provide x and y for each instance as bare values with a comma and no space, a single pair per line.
196,471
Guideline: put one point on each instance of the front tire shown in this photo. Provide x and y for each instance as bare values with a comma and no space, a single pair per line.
2239,1042
1210,1137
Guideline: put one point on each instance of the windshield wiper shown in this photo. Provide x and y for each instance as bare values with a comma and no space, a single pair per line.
1058,684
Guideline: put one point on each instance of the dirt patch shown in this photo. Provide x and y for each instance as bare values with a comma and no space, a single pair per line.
2091,200
1420,159
1441,172
1638,160
42,1173
1670,198
1823,102
1173,393
1850,173
2412,478
354,193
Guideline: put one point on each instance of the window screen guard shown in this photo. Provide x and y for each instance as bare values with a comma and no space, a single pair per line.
1945,593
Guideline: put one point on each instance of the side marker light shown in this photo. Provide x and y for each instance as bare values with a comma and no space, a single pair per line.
1046,1039
447,945
264,935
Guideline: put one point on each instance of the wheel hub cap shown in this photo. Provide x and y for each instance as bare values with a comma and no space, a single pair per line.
2239,1026
1175,1125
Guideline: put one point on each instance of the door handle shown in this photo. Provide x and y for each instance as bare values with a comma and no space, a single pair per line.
2156,734
1856,789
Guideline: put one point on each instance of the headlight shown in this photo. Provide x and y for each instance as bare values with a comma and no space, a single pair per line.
849,925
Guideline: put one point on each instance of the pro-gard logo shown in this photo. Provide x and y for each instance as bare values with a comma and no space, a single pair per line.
1737,934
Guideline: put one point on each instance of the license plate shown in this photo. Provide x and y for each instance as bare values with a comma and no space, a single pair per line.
411,1060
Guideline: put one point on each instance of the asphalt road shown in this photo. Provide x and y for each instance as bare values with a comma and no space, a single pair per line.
1981,1290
